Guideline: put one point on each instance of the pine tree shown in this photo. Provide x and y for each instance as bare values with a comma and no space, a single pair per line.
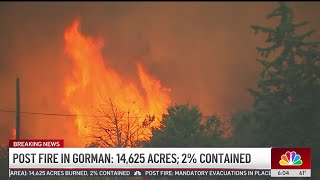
288,94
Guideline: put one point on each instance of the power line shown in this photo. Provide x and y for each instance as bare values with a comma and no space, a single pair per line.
71,115
40,113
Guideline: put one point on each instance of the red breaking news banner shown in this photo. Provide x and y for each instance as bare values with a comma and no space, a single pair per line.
290,158
36,143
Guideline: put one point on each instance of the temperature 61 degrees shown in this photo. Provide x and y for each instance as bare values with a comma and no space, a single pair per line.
303,173
188,158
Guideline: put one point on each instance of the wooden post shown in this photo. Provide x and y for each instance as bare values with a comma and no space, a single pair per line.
17,109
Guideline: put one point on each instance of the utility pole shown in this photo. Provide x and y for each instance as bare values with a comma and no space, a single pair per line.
17,109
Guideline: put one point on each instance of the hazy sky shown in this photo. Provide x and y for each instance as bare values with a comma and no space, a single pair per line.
204,52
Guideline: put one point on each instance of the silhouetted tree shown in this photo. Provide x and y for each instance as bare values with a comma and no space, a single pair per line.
115,127
287,100
184,126
246,129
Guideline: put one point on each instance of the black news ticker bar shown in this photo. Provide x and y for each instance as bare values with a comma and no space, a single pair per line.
133,173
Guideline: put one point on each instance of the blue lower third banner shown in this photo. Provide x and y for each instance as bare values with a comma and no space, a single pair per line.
132,172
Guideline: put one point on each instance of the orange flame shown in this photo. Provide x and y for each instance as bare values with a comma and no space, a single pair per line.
13,133
92,81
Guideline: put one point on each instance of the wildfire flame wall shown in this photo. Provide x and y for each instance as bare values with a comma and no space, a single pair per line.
204,52
93,84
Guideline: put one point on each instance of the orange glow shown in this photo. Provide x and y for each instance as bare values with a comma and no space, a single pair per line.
92,82
13,133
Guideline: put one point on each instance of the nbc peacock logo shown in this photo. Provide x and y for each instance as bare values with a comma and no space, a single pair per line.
290,159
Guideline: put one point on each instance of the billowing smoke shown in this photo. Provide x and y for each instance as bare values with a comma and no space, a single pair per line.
205,52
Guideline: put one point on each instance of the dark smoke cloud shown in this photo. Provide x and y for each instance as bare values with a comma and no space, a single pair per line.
205,52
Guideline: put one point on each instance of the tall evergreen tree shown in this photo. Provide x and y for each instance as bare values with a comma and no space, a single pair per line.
287,100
